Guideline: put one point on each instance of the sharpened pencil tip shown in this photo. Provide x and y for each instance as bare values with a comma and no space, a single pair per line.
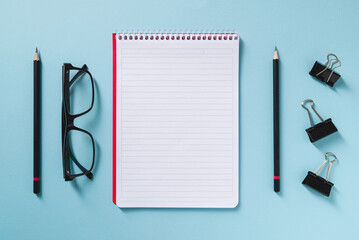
275,57
36,58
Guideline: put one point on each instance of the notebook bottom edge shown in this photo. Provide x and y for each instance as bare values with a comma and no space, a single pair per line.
158,205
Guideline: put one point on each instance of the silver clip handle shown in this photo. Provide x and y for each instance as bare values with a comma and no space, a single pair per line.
335,60
312,105
331,63
330,163
322,166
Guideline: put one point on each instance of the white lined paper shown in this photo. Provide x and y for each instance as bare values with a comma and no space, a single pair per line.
177,123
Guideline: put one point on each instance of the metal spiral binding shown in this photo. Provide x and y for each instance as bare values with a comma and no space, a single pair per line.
176,36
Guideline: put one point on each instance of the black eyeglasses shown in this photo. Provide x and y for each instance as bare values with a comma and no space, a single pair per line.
77,157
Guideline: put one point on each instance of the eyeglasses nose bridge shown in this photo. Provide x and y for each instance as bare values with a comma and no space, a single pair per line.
70,121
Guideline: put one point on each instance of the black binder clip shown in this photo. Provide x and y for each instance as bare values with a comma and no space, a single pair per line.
318,183
320,130
325,73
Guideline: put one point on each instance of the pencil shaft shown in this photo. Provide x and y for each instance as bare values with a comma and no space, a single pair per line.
36,126
276,124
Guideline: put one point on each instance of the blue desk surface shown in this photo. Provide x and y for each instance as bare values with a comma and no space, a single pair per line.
80,32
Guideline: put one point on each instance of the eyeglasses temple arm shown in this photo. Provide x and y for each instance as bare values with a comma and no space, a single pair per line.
78,74
84,170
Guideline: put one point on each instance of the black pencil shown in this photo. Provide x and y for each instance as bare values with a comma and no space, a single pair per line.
36,123
276,120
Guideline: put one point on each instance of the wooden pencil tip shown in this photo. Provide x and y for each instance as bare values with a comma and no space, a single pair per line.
275,57
36,58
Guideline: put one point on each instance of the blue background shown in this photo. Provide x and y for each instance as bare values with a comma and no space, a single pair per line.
80,32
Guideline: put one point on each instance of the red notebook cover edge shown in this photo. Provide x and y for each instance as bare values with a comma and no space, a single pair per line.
114,120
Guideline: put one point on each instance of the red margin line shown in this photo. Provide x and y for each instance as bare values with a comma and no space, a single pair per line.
114,120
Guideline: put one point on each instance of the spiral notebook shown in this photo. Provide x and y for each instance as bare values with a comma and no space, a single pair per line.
175,120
